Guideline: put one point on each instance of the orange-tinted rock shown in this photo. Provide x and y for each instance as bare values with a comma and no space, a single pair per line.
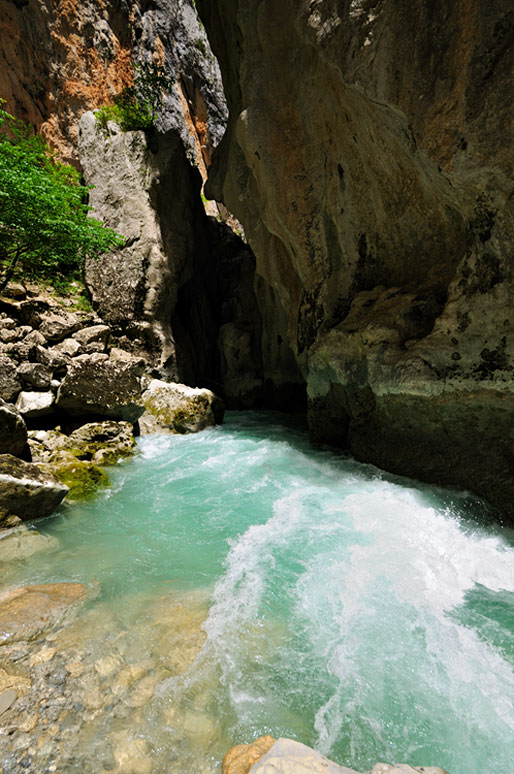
240,759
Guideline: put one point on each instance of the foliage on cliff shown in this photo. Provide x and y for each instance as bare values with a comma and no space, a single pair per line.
45,229
137,106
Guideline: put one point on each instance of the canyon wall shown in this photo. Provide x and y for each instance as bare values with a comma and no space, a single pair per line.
59,58
367,155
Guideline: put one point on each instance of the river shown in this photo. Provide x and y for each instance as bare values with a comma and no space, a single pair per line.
262,585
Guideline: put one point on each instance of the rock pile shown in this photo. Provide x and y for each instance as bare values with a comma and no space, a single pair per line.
60,371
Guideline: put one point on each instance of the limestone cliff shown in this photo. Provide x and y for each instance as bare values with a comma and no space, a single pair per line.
59,58
367,155
180,292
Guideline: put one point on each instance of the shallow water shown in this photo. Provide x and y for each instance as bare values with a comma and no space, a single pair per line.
271,587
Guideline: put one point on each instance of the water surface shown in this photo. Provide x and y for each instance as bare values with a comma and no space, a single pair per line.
363,615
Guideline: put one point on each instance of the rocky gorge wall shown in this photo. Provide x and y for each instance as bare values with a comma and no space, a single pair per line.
367,155
59,58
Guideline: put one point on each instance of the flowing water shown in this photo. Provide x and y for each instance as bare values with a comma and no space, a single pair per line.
266,586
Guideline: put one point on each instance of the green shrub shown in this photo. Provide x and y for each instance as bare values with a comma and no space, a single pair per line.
136,107
44,225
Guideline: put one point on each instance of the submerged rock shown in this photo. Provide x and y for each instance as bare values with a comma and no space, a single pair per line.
179,408
22,542
26,491
27,611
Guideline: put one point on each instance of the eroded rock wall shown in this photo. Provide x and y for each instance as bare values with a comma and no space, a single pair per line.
367,155
59,58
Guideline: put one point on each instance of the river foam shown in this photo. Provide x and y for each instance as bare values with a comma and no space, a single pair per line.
357,612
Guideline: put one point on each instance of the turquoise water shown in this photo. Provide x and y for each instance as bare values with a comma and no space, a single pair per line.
367,617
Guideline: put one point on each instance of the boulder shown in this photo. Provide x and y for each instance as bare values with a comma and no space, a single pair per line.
56,327
69,347
178,408
28,611
53,358
26,491
267,756
10,385
94,334
13,431
35,375
15,290
106,442
96,385
35,404
240,759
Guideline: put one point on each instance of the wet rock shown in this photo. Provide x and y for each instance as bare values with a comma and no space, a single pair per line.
178,408
35,404
35,375
10,385
81,477
96,385
13,431
21,543
106,442
266,756
28,611
26,491
240,759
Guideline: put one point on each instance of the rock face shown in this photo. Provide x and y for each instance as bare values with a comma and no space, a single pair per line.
385,283
267,756
181,291
179,408
58,59
26,491
151,197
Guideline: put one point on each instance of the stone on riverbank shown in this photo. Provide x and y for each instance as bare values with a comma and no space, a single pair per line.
13,431
26,491
100,386
267,756
178,408
240,759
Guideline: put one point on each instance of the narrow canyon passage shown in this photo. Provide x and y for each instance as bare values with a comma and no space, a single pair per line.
245,583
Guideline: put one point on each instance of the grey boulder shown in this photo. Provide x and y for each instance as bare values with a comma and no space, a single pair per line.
99,386
178,408
26,491
13,432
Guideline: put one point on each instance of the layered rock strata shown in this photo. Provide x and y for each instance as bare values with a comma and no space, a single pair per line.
385,283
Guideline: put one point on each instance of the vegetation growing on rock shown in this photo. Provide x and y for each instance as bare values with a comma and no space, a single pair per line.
44,225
